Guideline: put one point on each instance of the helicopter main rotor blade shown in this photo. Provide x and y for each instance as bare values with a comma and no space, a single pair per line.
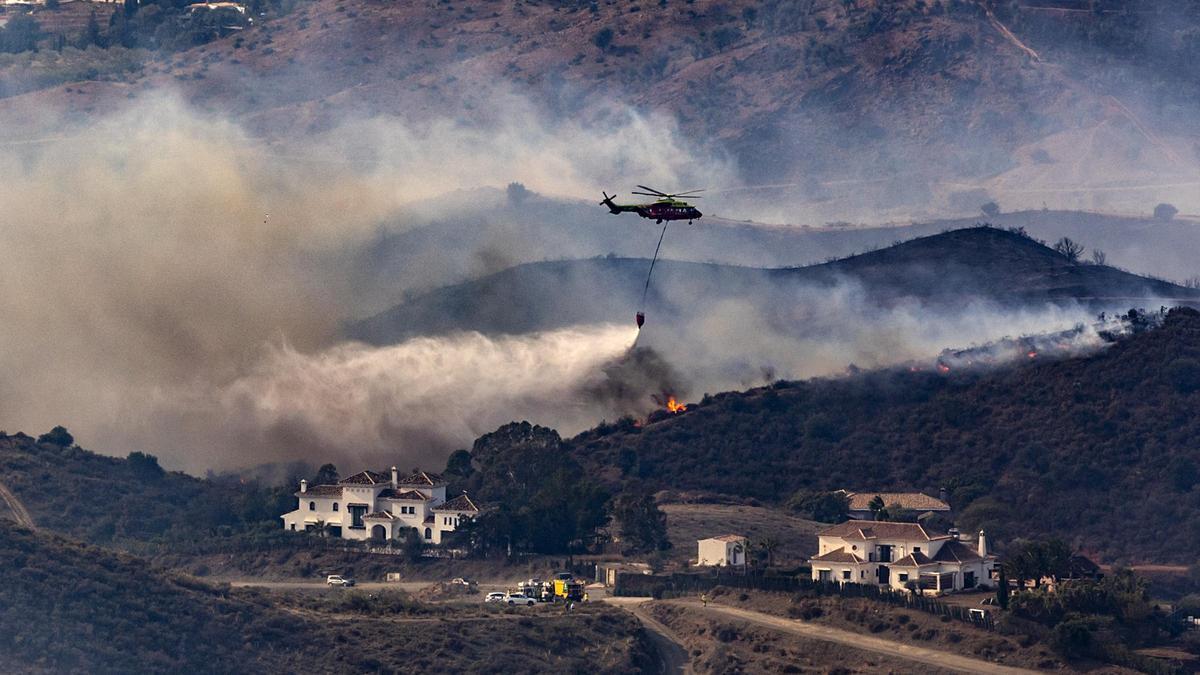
684,194
660,193
648,194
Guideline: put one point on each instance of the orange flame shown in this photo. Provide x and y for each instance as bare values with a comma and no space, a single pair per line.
1032,354
675,407
943,367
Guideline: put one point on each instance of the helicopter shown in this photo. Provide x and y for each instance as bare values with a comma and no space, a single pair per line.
665,207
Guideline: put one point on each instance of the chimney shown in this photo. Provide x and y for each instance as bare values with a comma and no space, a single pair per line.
303,485
954,534
982,544
944,495
395,478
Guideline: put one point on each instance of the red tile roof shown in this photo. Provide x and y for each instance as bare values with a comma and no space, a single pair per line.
838,555
321,491
956,551
915,559
424,478
862,530
366,478
412,495
915,501
728,538
460,503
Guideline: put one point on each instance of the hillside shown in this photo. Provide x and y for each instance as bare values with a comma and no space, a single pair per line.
831,98
66,607
948,270
59,485
1053,448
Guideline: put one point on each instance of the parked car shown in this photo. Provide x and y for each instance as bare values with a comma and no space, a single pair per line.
495,596
459,581
339,580
519,599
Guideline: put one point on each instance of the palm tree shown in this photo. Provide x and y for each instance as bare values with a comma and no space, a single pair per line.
769,545
876,505
751,550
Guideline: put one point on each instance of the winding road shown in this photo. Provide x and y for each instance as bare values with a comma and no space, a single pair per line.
16,507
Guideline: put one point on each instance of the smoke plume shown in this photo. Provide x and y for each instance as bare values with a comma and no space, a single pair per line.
163,269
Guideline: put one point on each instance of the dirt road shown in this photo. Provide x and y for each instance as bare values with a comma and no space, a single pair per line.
869,643
18,509
673,658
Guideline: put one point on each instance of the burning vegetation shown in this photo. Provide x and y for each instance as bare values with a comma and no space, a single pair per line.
1075,341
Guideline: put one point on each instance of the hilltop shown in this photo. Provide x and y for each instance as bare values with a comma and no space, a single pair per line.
833,98
60,483
1040,449
947,270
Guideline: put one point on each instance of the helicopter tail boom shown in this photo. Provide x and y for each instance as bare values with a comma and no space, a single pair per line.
608,201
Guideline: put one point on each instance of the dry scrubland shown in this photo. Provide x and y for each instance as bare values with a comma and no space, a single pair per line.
718,645
688,522
68,607
895,624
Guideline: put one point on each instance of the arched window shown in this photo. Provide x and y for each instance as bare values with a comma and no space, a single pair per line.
335,506
312,506
428,533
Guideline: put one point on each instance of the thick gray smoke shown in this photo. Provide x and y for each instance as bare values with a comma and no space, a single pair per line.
175,286
155,255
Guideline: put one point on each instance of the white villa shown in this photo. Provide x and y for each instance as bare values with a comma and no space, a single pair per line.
893,554
368,505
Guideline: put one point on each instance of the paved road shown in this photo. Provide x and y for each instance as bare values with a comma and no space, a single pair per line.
672,656
18,509
868,643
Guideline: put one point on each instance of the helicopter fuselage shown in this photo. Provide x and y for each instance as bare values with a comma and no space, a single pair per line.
668,211
664,209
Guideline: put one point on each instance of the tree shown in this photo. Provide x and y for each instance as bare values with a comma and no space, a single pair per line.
57,436
551,504
641,524
990,209
326,475
876,506
603,38
1031,560
412,545
517,193
769,545
459,464
1002,589
144,466
20,34
824,507
1069,248
91,33
1099,257
1165,212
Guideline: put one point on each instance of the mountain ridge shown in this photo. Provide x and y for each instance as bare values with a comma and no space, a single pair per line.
537,296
